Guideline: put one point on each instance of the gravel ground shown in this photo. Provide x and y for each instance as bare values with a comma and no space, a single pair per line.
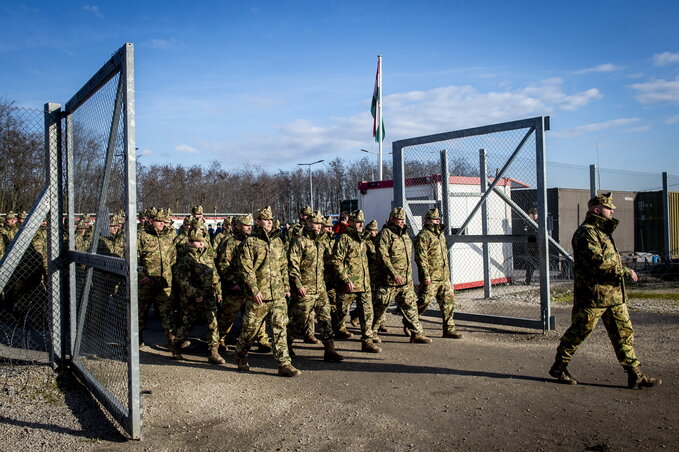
488,391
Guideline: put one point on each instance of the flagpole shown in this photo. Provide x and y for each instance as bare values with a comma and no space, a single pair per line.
379,117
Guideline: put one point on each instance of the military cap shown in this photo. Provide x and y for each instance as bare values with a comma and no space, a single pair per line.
246,220
433,214
398,213
276,225
10,215
197,210
162,215
235,218
227,221
117,220
604,199
187,220
372,226
196,235
23,215
328,222
82,224
306,210
264,214
357,216
316,217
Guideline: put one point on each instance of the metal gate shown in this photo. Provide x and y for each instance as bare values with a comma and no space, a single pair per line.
487,181
102,261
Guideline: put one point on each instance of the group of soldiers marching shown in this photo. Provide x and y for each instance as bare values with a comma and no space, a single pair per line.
291,281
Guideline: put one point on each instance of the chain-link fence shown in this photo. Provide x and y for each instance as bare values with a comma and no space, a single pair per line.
29,316
489,182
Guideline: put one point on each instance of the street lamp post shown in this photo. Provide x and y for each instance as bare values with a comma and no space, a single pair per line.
379,160
311,185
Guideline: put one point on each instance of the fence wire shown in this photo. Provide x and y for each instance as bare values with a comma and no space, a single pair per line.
25,308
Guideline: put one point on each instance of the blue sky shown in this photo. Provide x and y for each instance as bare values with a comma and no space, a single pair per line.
274,83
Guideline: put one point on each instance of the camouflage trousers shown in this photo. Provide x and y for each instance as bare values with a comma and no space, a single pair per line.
300,313
618,325
232,303
442,291
190,312
365,312
149,294
276,313
406,300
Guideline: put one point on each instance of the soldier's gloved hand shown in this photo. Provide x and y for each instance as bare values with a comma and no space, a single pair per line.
302,292
257,298
199,299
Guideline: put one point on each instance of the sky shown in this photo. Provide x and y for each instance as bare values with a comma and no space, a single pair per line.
276,83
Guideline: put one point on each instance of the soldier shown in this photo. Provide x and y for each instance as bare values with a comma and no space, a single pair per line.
232,282
156,254
351,266
200,292
21,217
223,234
297,228
264,267
197,214
114,243
599,292
394,259
370,233
431,255
83,239
11,228
307,269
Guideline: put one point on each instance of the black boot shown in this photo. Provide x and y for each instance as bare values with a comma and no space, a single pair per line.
637,380
330,354
560,372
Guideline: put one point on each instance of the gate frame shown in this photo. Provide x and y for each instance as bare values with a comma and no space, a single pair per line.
537,125
122,62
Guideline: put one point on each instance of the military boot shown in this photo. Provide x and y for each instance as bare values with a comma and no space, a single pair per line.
311,339
173,347
419,338
343,334
451,335
369,347
560,372
376,338
383,329
330,355
406,331
214,355
264,347
288,370
637,380
241,360
185,344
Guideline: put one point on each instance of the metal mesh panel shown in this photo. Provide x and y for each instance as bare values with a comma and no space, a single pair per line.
510,292
27,318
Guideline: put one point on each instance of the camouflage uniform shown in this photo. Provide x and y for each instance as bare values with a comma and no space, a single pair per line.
307,269
156,254
431,255
351,266
234,298
114,243
10,230
394,257
200,291
223,234
264,267
599,292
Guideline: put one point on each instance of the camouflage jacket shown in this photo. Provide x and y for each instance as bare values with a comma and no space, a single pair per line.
39,243
156,254
264,265
351,261
394,255
227,259
371,252
219,238
113,245
329,275
83,242
431,254
196,275
8,233
598,272
306,262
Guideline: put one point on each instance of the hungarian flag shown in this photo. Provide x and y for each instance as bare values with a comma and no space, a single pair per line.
376,105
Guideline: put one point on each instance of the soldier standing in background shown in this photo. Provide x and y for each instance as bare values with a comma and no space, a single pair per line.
264,267
223,233
599,293
200,293
156,254
431,255
298,227
370,233
11,228
307,269
351,266
394,257
114,243
234,297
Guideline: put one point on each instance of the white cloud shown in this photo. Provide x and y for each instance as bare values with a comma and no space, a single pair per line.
171,43
94,9
672,120
594,127
665,58
608,67
408,114
657,91
186,149
145,152
637,129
